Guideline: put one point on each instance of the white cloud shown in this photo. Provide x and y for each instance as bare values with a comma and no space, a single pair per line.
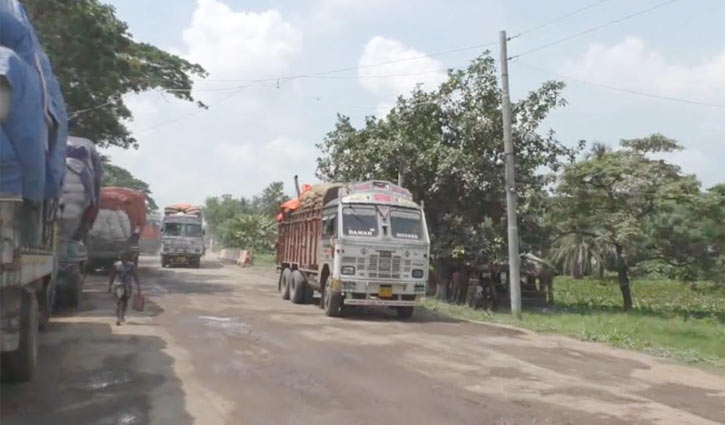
234,45
273,160
632,65
396,78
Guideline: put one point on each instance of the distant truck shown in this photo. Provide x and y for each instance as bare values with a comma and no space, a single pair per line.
357,244
118,227
32,164
182,236
151,235
78,210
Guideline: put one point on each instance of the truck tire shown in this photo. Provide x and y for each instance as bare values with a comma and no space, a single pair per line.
19,365
164,262
298,287
405,312
284,279
75,288
46,304
332,301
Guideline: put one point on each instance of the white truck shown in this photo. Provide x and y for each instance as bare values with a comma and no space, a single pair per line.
182,237
357,244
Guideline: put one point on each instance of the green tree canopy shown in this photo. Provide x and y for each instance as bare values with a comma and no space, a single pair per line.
244,223
448,143
639,208
113,175
98,62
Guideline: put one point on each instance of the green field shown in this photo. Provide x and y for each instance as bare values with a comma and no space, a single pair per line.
669,319
264,259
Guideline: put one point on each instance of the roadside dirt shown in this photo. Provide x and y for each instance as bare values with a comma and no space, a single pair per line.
218,345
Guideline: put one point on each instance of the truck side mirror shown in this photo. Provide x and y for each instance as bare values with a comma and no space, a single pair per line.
203,231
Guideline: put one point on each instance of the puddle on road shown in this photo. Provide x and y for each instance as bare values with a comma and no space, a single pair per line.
231,326
103,380
130,416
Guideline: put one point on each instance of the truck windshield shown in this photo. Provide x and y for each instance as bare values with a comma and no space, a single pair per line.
173,229
360,221
181,229
193,230
406,224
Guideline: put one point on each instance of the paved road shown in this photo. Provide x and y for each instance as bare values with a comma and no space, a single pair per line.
218,346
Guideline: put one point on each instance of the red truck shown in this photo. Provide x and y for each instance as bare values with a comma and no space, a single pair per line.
356,244
118,226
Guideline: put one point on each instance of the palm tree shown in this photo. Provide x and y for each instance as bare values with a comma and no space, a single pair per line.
579,255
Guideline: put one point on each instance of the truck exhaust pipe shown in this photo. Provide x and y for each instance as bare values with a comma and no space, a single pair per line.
297,185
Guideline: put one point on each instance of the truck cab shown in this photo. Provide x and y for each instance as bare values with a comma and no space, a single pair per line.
182,240
379,246
357,244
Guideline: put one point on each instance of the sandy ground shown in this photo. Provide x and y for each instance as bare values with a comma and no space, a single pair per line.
218,345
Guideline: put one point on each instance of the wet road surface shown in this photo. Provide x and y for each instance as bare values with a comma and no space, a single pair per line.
218,345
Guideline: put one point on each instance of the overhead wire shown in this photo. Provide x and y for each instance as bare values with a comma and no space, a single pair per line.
620,89
359,67
557,19
195,112
593,29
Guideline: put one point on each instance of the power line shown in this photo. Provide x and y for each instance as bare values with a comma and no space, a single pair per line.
359,67
182,117
93,108
555,20
622,90
593,29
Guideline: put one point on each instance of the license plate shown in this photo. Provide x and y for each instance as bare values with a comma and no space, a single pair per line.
385,292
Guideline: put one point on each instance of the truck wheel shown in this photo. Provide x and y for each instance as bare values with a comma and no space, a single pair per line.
309,294
196,264
405,312
164,262
298,287
19,365
46,304
284,279
75,288
332,301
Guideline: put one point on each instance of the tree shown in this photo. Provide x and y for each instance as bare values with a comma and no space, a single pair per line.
448,144
218,210
253,232
113,175
98,62
579,255
633,204
269,201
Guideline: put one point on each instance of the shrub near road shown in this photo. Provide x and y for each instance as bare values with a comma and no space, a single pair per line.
668,319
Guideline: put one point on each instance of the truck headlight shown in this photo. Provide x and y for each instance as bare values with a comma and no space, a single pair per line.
347,270
417,273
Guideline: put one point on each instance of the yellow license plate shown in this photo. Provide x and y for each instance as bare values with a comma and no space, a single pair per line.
385,292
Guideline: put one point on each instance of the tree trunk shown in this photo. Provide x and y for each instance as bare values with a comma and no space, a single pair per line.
623,277
444,276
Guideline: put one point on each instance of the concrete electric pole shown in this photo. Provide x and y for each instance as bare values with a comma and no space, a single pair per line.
514,275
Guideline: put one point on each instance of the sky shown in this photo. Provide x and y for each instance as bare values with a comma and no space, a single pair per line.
261,127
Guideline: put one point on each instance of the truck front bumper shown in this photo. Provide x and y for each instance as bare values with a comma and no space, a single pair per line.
181,258
380,302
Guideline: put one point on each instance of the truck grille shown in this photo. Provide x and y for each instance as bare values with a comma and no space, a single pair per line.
384,267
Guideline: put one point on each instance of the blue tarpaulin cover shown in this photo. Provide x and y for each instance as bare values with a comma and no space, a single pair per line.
33,137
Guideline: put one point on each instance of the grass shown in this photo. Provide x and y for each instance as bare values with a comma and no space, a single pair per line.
669,319
264,259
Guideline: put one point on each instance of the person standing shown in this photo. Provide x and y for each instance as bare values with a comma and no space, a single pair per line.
123,273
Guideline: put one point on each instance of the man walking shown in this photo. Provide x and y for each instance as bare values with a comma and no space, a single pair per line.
122,273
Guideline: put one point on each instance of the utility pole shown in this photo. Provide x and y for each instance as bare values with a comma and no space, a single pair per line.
513,230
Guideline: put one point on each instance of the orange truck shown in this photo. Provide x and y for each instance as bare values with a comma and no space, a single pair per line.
358,244
118,226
